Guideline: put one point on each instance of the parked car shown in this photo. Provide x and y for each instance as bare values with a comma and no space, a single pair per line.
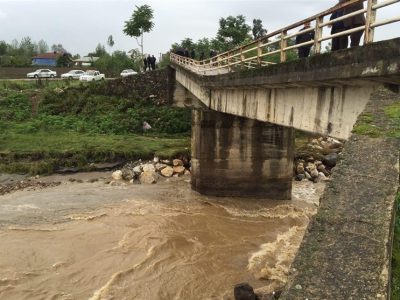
73,74
92,75
42,73
128,72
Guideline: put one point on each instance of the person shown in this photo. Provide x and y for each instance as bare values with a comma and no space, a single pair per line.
153,62
354,22
304,51
192,54
201,55
149,62
339,42
145,63
146,126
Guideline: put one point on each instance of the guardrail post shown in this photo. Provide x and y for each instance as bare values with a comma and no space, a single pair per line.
318,35
241,56
283,46
259,52
370,19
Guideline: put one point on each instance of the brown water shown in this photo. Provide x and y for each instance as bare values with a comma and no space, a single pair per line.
96,241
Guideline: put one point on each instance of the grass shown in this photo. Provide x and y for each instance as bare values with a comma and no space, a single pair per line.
45,152
56,124
396,253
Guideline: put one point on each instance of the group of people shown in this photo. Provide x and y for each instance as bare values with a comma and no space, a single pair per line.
149,63
192,53
339,42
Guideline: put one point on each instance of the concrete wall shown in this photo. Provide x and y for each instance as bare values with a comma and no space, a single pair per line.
240,157
330,110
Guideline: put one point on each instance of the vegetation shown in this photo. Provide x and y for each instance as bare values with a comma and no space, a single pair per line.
396,253
61,126
140,22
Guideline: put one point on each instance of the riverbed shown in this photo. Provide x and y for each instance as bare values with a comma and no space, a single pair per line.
89,238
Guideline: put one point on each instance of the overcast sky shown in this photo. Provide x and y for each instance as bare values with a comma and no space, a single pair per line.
79,25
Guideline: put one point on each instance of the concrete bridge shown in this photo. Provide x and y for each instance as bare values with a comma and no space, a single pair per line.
243,144
244,132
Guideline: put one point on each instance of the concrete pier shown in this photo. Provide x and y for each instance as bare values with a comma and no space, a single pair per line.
240,157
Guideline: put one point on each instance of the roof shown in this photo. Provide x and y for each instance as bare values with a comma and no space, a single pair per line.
86,59
48,55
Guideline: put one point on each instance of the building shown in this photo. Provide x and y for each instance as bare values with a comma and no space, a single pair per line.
85,61
46,59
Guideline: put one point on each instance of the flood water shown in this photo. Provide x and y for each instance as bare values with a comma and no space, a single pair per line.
164,241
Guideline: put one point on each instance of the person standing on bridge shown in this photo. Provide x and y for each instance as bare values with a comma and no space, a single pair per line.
354,22
145,63
339,42
304,51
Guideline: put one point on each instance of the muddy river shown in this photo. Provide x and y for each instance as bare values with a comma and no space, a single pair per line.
92,240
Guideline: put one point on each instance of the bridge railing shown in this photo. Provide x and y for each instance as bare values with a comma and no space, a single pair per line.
278,43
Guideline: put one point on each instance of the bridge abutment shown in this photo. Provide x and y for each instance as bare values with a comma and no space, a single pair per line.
240,157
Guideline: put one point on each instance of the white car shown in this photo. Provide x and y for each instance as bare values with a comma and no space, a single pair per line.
128,72
73,74
92,75
42,73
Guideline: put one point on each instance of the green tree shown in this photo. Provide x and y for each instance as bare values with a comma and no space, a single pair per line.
58,48
3,48
64,60
110,41
42,47
140,22
232,32
258,30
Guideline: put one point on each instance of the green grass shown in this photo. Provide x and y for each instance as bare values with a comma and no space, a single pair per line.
396,253
393,112
44,152
43,128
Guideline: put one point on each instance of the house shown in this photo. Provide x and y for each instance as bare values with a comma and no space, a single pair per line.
85,61
46,59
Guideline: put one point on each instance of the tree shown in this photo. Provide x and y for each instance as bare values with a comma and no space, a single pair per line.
110,41
64,60
140,22
42,47
3,47
258,30
232,32
99,51
58,48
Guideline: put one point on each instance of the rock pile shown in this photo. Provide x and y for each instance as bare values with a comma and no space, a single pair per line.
151,171
316,160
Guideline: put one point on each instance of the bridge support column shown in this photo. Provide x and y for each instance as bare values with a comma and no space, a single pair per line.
239,157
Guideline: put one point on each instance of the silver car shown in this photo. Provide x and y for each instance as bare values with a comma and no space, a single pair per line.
73,74
42,73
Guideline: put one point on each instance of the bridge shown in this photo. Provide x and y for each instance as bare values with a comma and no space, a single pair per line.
248,106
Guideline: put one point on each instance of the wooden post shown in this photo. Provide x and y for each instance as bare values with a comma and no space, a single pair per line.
283,46
369,20
318,35
259,52
241,56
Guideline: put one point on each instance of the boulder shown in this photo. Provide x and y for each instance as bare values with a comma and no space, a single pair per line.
300,177
137,170
244,291
177,162
180,170
308,176
117,175
149,168
322,177
167,171
148,177
156,159
159,167
330,160
300,168
127,174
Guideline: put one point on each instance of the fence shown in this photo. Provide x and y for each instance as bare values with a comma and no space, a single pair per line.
256,53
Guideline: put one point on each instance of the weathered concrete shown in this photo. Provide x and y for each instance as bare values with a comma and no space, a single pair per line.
322,94
183,98
234,156
346,252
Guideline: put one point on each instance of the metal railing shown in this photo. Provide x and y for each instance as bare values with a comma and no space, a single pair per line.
278,43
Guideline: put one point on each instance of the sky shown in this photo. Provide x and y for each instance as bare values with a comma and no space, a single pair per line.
79,25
